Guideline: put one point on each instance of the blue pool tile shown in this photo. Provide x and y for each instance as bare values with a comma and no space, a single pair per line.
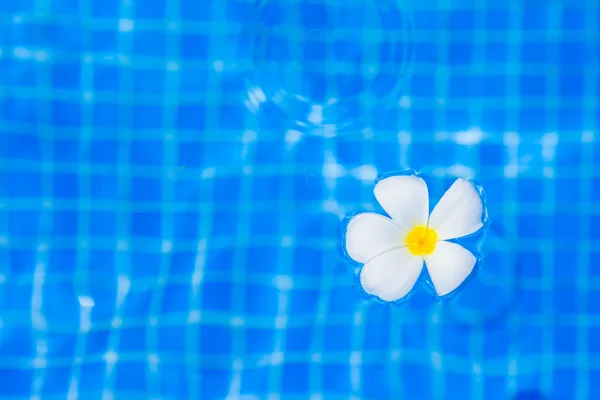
376,339
21,147
148,44
531,302
265,188
105,115
20,381
255,380
22,184
92,377
108,10
23,223
19,110
338,302
61,261
146,224
461,53
66,113
150,9
215,339
63,313
66,76
101,261
496,345
138,302
308,188
146,117
350,190
57,381
261,300
191,116
104,187
459,385
147,190
337,338
299,339
104,41
66,186
307,261
97,343
529,339
594,388
336,379
495,387
106,77
261,340
132,340
497,19
214,383
176,298
146,265
415,376
217,296
65,223
265,258
18,344
193,11
103,223
129,375
172,339
565,339
175,380
564,383
295,378
194,46
149,80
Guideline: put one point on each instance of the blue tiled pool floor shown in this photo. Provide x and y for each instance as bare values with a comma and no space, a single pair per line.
174,176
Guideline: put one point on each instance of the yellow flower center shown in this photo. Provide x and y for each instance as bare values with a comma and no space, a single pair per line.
421,240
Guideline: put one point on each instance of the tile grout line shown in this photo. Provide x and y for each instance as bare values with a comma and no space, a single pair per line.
39,323
121,249
512,142
588,139
82,282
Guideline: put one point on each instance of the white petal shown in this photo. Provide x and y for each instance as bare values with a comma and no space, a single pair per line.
370,234
405,199
459,212
449,266
391,275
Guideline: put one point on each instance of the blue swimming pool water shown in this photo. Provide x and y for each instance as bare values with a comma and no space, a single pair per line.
174,174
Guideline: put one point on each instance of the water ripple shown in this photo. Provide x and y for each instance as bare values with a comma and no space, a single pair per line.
314,65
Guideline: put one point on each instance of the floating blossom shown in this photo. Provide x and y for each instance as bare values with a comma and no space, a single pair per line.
393,250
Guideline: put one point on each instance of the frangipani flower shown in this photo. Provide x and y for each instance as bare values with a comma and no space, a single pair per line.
393,250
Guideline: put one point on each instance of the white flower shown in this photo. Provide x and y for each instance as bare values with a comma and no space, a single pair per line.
393,250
